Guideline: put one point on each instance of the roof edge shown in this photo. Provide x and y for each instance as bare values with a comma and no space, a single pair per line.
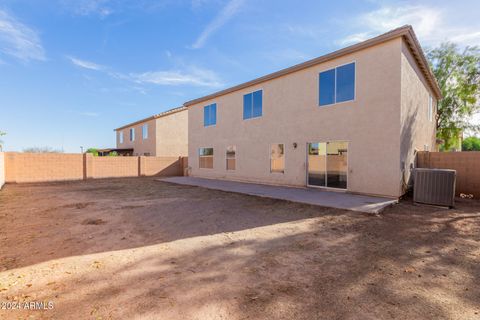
155,116
422,61
404,31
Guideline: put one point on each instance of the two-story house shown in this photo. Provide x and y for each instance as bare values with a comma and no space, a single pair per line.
350,120
161,135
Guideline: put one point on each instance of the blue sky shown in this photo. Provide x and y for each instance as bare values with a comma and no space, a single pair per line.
73,70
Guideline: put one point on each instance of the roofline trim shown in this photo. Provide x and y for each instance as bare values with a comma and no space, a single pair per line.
405,31
155,116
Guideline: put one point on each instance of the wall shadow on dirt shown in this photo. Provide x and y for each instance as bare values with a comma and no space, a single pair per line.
408,263
43,222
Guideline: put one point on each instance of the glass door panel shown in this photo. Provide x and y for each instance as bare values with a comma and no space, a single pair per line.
317,164
337,164
327,164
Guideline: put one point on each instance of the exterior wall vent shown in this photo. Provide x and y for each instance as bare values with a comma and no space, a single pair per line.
434,186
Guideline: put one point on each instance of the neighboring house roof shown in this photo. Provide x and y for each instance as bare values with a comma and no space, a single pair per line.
155,116
405,31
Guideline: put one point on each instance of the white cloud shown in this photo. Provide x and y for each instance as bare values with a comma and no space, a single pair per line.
89,114
88,7
472,38
85,64
288,54
223,16
431,25
194,76
305,31
354,38
187,75
18,40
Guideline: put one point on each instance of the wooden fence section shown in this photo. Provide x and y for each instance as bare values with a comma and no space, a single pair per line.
467,165
42,167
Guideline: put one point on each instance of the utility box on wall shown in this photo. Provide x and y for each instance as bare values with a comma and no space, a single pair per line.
434,186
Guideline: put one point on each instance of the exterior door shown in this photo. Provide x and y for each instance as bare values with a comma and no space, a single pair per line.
327,164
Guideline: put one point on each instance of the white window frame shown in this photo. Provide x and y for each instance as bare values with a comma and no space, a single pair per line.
251,92
132,134
335,85
120,136
284,158
209,106
234,158
145,131
212,156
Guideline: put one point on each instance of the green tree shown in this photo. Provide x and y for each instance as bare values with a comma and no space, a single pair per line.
471,144
1,141
113,154
42,150
93,151
458,75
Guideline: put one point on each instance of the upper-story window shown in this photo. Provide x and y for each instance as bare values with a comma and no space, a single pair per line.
120,136
430,108
337,85
252,105
210,115
145,131
132,134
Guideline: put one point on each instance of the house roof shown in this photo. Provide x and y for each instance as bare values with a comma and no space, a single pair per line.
406,32
155,116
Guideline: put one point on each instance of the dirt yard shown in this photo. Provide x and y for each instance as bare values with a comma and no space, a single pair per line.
143,249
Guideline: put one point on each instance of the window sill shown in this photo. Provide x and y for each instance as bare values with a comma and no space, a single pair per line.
252,118
336,103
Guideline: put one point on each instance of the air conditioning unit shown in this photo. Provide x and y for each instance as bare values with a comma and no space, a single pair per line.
434,186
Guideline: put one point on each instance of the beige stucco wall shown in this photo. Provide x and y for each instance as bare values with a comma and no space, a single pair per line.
140,146
417,131
172,135
2,169
291,115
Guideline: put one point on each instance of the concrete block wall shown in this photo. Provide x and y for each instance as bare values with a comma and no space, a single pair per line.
165,166
467,165
114,167
39,167
44,167
2,169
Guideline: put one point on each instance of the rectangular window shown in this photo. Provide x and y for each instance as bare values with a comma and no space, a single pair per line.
132,134
230,155
277,158
210,115
430,108
120,136
205,158
145,131
327,87
337,85
252,105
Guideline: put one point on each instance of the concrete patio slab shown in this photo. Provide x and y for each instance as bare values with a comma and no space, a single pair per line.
311,196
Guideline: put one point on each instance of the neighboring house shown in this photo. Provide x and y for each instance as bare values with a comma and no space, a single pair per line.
161,135
349,120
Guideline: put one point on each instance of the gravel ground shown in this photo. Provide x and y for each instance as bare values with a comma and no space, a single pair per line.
143,249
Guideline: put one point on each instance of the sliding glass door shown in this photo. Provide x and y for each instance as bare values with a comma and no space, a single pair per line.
327,164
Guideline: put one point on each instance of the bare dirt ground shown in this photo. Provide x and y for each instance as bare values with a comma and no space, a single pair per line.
143,249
